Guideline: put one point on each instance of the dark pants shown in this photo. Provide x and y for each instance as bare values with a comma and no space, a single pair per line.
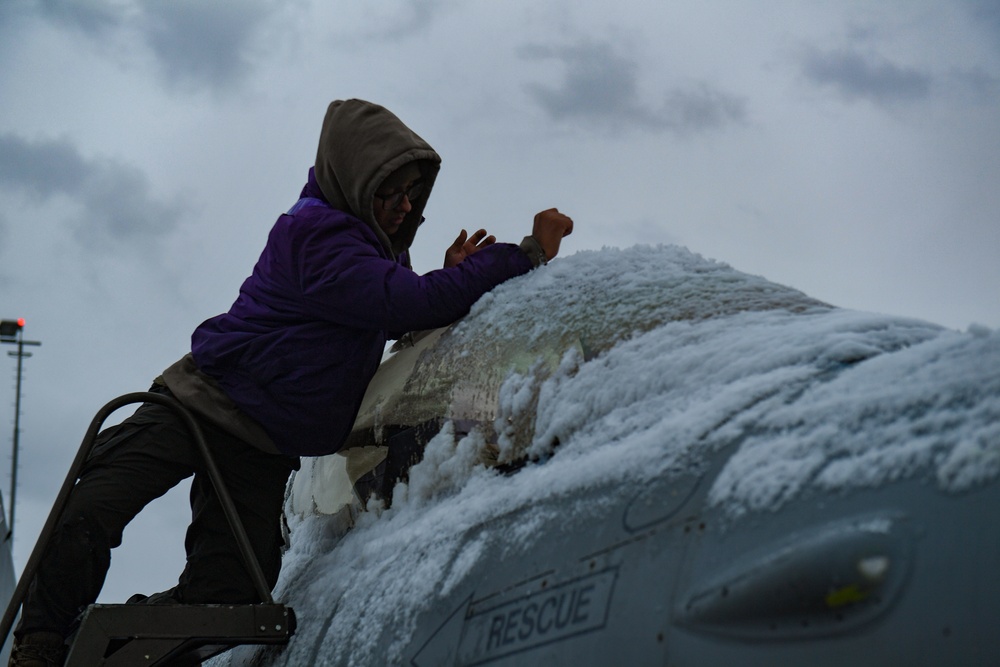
138,461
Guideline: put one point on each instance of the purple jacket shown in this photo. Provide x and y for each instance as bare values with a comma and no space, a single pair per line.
297,349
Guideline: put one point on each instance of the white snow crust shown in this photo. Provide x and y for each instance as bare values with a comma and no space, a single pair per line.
701,357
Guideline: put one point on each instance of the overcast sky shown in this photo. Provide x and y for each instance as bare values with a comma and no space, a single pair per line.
847,149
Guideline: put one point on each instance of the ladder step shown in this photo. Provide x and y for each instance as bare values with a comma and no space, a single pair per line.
176,635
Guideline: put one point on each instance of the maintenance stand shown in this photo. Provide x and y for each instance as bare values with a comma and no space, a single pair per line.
162,635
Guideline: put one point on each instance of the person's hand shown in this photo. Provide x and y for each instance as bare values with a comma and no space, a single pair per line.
466,245
549,229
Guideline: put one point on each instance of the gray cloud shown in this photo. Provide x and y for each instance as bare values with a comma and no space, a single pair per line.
3,245
40,169
390,23
986,14
88,16
196,44
871,78
976,85
202,43
115,203
601,86
91,17
983,85
419,15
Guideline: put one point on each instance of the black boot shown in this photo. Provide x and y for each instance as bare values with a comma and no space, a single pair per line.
39,649
165,597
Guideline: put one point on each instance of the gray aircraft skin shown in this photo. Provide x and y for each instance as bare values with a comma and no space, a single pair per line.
880,547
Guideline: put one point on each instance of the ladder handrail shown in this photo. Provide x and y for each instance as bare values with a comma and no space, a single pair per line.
239,532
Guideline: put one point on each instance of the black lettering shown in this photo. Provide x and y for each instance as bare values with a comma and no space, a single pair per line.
581,613
508,633
565,610
496,632
527,621
543,625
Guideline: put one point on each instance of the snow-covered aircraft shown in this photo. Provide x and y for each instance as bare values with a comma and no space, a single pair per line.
641,457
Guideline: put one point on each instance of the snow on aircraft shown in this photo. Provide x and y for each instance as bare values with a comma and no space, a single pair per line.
642,457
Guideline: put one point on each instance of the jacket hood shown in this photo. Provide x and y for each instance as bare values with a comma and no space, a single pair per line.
360,145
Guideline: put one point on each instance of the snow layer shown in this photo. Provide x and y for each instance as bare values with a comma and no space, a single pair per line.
672,359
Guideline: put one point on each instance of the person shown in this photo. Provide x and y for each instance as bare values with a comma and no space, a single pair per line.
280,375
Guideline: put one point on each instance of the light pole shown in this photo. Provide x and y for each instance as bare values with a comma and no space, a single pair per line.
11,331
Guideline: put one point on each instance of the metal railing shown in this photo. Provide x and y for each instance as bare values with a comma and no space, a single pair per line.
31,568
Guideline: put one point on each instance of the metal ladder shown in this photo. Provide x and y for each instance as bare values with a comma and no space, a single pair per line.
175,635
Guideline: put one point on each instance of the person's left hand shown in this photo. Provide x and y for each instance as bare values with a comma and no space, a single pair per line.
466,245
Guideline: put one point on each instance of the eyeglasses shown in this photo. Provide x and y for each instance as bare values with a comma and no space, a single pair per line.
392,201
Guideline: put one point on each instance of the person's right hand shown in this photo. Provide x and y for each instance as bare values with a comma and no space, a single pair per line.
466,245
549,229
